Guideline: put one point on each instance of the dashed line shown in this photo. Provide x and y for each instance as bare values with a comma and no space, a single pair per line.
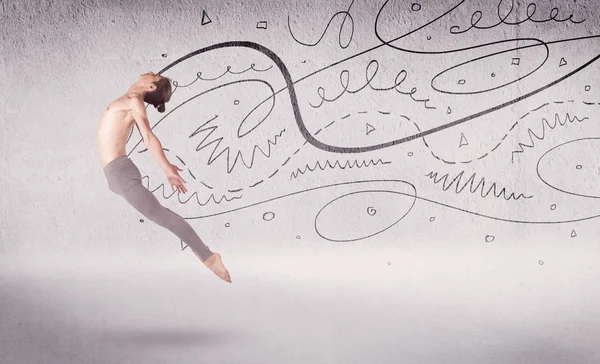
541,106
502,139
257,183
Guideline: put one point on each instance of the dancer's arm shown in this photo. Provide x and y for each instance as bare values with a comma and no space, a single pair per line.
138,110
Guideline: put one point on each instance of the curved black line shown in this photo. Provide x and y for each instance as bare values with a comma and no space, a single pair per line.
337,149
537,168
367,191
492,55
406,194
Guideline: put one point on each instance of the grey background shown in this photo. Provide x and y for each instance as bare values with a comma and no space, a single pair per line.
460,278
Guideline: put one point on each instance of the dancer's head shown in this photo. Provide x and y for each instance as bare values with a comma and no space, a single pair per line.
157,89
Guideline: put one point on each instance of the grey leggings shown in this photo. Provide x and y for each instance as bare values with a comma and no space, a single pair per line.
124,179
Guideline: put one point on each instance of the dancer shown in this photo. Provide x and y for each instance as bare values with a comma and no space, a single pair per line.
123,176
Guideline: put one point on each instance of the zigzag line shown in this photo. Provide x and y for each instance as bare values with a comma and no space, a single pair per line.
195,194
545,122
239,155
337,164
480,186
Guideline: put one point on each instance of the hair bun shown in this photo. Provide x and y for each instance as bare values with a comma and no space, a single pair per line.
160,107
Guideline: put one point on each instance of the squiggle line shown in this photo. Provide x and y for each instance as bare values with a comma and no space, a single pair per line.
227,71
545,122
480,186
346,15
336,164
345,82
501,140
195,194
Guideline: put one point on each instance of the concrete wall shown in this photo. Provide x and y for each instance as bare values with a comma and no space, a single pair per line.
365,123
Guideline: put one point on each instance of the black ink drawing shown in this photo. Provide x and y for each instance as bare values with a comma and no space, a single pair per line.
489,92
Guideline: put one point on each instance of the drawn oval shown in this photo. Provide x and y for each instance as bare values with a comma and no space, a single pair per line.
248,125
572,167
492,71
346,218
310,138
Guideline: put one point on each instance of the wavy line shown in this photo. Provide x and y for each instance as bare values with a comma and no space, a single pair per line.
195,194
336,164
480,186
545,122
227,71
346,15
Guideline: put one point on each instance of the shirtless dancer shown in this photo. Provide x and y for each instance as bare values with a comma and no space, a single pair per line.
123,176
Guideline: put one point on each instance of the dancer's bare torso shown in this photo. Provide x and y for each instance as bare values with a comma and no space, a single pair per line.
114,128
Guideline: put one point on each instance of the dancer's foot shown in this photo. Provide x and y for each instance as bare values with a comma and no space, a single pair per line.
215,264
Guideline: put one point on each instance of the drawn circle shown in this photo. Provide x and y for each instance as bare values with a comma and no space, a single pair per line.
164,55
415,7
588,87
461,82
236,102
444,81
227,224
432,218
297,236
142,221
554,166
389,263
553,207
371,211
579,166
493,74
410,154
429,37
541,262
393,206
268,216
489,238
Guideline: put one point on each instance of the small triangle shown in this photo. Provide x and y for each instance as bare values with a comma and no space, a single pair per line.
463,140
563,62
449,111
181,243
205,18
573,234
370,128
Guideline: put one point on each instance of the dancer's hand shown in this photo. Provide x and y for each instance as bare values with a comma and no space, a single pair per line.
175,179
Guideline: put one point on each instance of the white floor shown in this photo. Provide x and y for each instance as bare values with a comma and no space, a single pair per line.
425,305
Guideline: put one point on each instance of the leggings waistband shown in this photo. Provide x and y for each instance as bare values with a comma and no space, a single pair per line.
115,163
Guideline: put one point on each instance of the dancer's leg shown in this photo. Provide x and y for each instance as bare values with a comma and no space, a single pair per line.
124,179
147,204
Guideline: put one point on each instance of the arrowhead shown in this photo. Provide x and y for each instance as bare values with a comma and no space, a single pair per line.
370,128
563,62
463,140
205,18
